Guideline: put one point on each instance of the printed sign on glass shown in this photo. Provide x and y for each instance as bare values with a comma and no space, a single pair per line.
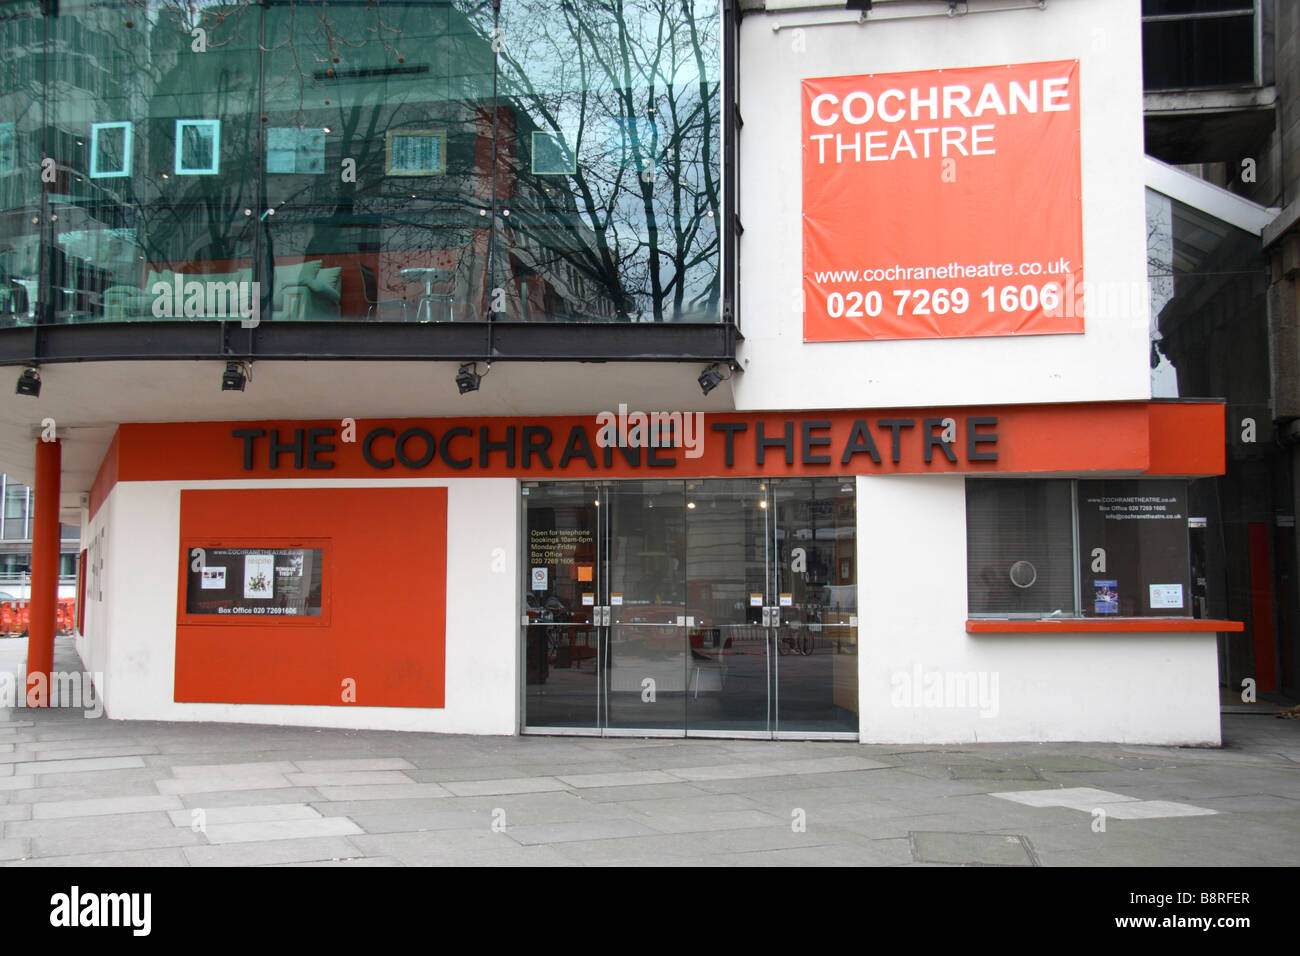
256,582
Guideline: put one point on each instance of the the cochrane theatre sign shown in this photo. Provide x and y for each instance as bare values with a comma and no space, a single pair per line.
688,443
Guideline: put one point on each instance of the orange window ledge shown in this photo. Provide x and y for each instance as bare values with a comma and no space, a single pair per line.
1111,625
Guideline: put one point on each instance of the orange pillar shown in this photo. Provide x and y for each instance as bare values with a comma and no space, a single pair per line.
45,566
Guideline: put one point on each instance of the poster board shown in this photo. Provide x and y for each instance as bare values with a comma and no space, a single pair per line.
942,203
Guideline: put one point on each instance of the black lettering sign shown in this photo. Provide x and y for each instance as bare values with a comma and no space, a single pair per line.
367,449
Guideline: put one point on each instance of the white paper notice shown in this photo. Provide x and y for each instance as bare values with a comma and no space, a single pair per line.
787,600
616,599
213,579
539,579
588,600
1166,595
259,576
756,600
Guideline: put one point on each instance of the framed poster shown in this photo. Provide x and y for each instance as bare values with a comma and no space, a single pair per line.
255,581
415,152
293,150
198,147
110,150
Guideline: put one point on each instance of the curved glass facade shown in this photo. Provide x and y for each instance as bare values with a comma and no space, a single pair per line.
540,160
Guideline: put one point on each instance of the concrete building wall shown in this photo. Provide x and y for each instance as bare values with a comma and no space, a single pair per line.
131,634
1130,688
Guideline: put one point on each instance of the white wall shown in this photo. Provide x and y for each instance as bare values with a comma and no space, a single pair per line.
1108,362
131,637
1129,688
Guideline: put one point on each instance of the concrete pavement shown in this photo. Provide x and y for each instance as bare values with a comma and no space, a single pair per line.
91,792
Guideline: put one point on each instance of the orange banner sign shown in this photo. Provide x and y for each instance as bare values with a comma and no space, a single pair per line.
942,203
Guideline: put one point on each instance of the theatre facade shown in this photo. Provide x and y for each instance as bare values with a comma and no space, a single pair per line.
509,368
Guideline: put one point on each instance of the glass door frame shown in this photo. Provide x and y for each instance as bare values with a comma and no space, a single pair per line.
602,617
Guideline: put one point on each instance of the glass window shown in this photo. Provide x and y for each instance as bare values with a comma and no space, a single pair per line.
1197,43
1132,557
1019,547
1133,554
21,29
15,511
419,161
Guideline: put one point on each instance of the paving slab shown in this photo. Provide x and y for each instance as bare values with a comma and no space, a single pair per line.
713,822
987,849
348,778
1262,801
384,791
215,784
348,808
657,791
78,765
433,847
1152,809
259,831
380,822
625,779
164,856
894,852
583,830
272,851
472,788
243,798
345,765
101,807
1077,798
251,769
15,848
255,814
365,861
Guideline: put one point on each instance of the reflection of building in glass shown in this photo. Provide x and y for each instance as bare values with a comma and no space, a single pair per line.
373,163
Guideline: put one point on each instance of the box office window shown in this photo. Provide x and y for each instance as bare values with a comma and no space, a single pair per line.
1037,548
1133,553
1019,547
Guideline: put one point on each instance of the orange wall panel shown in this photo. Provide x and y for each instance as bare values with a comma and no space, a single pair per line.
383,621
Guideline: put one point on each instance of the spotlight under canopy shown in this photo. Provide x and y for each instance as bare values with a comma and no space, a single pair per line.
468,377
235,377
29,383
712,377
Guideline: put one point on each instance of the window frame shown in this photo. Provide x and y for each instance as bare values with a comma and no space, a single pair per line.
1077,561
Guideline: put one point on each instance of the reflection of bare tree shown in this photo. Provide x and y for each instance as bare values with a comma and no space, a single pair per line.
628,88
631,88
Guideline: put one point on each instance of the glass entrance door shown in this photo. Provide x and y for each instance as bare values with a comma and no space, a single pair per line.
646,672
562,566
711,607
815,670
729,580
